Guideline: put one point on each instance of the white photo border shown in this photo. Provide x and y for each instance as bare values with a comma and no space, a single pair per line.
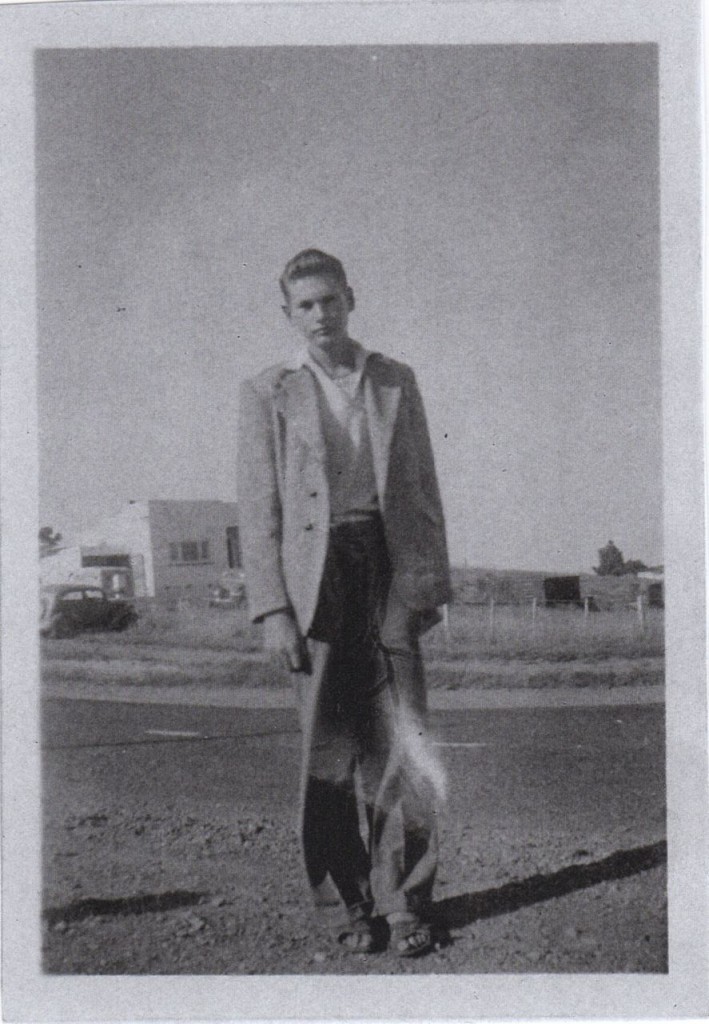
31,995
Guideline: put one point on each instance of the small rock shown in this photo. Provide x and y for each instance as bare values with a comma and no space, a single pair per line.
192,924
319,958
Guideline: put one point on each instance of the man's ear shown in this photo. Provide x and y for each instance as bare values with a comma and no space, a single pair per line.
350,300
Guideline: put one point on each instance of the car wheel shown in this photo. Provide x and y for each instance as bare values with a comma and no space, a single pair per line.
127,620
60,628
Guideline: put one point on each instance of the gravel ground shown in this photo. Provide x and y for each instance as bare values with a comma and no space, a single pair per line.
217,889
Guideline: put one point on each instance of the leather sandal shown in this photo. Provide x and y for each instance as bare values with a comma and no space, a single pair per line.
356,936
410,938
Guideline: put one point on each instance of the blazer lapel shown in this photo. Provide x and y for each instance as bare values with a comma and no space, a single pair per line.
300,406
381,401
299,401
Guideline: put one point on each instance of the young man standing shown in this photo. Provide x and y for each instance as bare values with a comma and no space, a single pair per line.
345,555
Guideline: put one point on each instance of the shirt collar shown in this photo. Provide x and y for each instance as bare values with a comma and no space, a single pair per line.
302,357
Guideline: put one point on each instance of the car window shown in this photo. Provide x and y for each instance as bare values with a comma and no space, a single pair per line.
94,595
73,595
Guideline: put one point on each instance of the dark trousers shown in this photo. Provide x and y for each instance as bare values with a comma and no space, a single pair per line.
362,708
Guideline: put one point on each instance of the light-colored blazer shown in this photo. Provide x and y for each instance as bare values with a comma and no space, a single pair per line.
283,497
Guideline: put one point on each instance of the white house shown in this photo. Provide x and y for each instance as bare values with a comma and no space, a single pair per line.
157,548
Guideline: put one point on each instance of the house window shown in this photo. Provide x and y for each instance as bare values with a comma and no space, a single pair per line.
189,551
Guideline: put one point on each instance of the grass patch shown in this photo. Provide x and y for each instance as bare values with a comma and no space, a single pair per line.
554,634
492,675
208,647
240,673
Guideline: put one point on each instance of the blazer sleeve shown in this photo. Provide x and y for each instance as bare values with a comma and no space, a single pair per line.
433,568
260,513
418,426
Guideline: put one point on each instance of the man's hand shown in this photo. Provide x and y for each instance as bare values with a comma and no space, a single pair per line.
281,634
428,618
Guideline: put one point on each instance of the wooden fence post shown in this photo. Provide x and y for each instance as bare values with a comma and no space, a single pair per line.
641,611
492,619
446,624
585,611
534,612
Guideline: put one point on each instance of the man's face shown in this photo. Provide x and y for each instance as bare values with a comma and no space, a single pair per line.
318,307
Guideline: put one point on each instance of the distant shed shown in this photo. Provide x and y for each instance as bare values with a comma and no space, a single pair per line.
562,590
609,592
652,585
472,586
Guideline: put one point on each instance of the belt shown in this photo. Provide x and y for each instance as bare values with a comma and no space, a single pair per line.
357,515
356,518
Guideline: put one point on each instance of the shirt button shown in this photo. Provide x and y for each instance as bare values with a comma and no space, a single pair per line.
308,527
313,494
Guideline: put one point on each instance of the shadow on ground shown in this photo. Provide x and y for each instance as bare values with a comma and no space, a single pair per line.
455,912
458,911
149,904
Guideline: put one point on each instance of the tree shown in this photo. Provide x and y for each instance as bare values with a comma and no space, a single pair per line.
48,540
610,560
612,563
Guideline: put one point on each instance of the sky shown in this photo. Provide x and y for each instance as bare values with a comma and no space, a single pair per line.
497,212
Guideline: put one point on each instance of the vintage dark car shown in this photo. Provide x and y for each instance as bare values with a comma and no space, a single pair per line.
66,609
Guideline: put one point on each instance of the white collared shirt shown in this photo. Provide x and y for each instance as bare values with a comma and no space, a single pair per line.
343,417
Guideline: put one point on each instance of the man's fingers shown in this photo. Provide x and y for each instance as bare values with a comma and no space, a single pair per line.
292,658
282,637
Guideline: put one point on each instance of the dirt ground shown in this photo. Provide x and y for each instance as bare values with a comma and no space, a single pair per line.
137,886
235,904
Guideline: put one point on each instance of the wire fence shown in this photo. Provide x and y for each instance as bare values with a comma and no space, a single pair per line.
569,630
529,630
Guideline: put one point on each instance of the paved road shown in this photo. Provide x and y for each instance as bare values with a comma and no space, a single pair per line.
552,843
598,764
